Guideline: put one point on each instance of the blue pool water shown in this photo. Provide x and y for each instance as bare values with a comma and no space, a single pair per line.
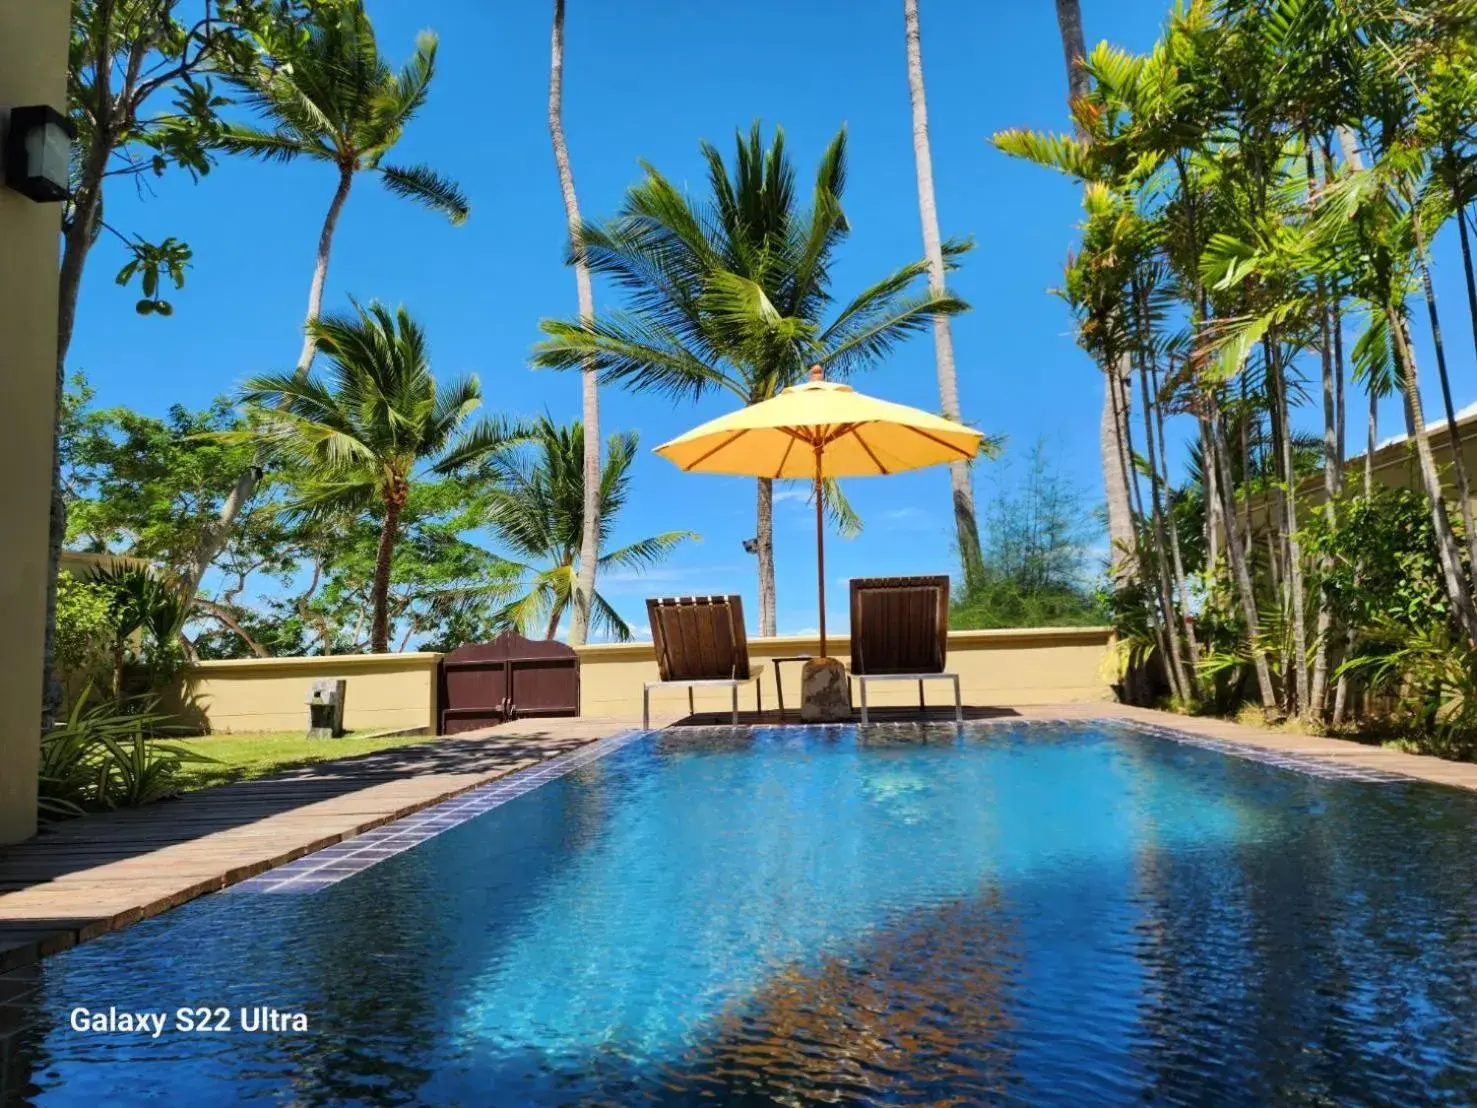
1035,914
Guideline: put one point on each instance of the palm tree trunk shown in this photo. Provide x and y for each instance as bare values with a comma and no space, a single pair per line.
1296,595
1238,552
1458,589
379,596
1332,480
584,586
1453,432
213,538
966,526
1177,677
320,268
1074,46
1177,561
764,539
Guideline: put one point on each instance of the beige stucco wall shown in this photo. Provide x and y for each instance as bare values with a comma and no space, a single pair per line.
33,70
385,692
1035,666
399,690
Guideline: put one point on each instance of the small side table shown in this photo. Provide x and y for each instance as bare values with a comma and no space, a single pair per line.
779,687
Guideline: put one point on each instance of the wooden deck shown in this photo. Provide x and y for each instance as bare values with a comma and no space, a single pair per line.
101,872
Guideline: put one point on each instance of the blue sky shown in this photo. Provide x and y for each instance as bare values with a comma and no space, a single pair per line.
650,86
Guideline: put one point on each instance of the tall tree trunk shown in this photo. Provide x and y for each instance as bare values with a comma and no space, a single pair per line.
764,540
966,527
584,586
1177,561
1372,438
320,269
215,536
1458,588
1177,678
1238,550
379,593
1453,432
1332,480
1295,591
1115,416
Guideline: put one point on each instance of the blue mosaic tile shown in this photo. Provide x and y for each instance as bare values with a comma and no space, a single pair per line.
345,859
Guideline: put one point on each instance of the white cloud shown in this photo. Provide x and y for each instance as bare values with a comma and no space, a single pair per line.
792,494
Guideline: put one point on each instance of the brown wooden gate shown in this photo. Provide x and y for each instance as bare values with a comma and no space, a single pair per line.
510,677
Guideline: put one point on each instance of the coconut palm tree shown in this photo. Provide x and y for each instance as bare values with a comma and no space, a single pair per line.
329,95
579,620
536,510
378,423
733,294
966,527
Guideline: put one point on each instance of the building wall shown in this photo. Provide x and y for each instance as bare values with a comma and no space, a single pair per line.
33,70
399,690
1034,666
385,692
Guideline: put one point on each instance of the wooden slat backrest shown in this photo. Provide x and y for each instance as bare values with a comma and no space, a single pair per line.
699,637
899,624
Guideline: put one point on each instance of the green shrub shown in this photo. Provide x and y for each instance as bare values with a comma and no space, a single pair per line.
108,756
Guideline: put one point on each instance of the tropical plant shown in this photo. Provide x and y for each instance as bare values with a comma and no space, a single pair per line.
1266,178
328,95
379,423
535,508
584,590
106,756
734,294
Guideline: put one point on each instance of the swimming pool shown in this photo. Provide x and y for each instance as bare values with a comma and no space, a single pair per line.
1030,913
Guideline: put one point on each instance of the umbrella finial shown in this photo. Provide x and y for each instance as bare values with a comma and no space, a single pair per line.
817,373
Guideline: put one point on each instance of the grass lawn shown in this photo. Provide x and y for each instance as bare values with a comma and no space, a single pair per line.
248,755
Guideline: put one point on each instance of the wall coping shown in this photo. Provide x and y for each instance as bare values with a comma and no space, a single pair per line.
416,659
797,644
803,644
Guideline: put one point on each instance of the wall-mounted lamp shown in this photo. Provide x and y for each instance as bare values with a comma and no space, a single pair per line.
751,546
38,152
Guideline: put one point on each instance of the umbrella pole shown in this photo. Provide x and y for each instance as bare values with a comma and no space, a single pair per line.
820,549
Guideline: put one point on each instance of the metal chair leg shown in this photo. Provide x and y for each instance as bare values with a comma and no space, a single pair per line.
921,705
862,685
691,710
958,702
759,695
646,707
734,689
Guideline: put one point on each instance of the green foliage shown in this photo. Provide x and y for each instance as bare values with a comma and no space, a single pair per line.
327,94
85,629
1383,569
535,506
1036,536
107,756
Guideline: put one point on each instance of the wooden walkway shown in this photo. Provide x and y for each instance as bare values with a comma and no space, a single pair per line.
101,872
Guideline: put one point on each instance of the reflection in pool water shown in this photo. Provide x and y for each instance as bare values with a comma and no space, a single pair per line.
1031,913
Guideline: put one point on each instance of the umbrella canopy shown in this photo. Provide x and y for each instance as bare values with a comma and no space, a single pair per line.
819,430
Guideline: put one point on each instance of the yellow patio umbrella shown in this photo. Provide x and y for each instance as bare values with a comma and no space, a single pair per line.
817,430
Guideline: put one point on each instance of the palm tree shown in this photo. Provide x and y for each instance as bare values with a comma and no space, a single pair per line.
376,425
1112,435
537,511
329,95
965,525
579,621
733,294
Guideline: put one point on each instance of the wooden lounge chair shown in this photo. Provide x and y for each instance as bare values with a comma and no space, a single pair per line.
699,642
900,632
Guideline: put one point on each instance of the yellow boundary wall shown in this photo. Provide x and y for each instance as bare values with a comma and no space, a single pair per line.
394,691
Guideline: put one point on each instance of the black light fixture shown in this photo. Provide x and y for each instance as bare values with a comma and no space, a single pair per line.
38,153
751,546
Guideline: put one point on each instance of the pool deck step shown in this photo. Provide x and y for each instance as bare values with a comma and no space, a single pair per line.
88,876
92,875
